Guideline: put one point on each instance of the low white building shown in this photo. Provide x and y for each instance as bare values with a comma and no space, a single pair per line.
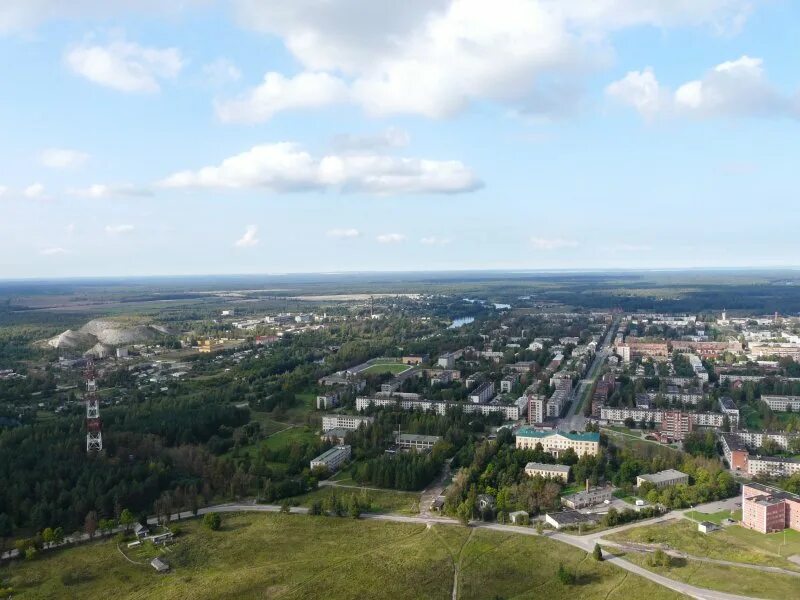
332,459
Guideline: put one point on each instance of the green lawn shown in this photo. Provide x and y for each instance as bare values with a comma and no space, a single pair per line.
284,438
393,368
732,543
735,580
716,517
298,557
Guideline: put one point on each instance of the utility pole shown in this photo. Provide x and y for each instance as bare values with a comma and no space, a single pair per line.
94,426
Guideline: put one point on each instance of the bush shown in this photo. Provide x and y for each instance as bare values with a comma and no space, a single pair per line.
213,521
597,553
659,558
315,508
565,576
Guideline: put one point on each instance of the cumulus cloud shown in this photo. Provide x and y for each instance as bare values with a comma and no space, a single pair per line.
221,71
389,139
63,158
390,238
434,241
33,191
248,239
125,66
737,88
343,233
278,93
552,243
286,167
101,190
119,229
53,251
435,57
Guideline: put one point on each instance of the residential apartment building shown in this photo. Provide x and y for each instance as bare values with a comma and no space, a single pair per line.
510,412
557,442
482,393
341,421
735,452
537,408
782,403
676,425
508,382
332,459
327,401
772,466
767,509
532,469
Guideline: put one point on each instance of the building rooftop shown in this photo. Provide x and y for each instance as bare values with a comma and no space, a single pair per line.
578,437
548,467
415,437
332,452
571,517
734,443
662,476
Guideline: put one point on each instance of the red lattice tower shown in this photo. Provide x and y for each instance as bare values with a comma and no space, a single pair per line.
94,427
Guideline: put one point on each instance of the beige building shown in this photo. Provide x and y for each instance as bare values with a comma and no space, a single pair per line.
532,469
558,442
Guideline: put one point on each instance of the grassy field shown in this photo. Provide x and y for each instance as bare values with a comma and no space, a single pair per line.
716,517
732,543
735,580
284,438
393,368
377,501
292,556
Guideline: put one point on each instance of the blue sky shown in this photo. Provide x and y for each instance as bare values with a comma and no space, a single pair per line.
319,135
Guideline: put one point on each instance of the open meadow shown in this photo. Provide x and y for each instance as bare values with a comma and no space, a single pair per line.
293,556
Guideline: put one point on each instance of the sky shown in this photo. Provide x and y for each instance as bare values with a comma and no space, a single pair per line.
265,136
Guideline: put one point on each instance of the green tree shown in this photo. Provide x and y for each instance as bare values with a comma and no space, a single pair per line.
90,523
565,576
212,521
597,553
126,519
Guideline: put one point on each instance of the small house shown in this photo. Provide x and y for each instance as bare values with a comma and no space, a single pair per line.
159,565
706,527
141,531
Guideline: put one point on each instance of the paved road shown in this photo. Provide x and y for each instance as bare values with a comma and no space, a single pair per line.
574,420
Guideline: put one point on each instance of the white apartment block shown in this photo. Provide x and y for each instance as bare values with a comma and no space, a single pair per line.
782,403
772,466
351,422
537,408
510,412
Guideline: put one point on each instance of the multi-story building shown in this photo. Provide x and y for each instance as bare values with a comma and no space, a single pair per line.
727,406
510,412
332,459
415,441
756,439
557,442
341,421
675,424
508,382
641,349
782,403
767,509
545,470
735,452
708,349
663,479
482,393
772,466
537,408
327,401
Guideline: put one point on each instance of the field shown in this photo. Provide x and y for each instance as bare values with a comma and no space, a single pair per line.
735,580
733,543
716,517
393,368
292,556
375,501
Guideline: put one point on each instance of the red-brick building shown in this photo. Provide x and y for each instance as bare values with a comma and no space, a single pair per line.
767,509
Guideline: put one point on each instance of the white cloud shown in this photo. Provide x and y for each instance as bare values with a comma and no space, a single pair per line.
343,233
221,72
285,167
21,15
119,229
63,158
737,88
278,93
390,238
3,190
35,190
434,241
53,251
435,57
552,243
101,190
389,139
248,239
125,66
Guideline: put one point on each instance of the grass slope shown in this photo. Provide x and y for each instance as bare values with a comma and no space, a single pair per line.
295,557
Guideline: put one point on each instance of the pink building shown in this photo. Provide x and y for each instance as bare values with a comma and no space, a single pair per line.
767,509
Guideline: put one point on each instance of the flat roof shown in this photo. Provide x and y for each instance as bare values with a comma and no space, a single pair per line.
661,476
570,517
416,437
547,467
331,452
591,436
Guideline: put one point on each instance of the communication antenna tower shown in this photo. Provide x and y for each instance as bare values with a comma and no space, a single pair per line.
94,427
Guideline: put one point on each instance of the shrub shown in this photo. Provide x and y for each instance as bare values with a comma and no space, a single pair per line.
565,576
212,520
597,553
